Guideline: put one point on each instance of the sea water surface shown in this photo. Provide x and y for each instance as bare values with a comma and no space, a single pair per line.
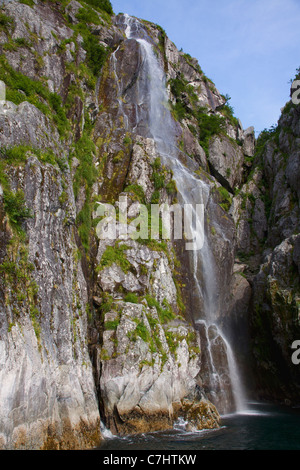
260,427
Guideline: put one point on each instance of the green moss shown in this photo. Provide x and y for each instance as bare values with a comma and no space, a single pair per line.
112,325
34,315
154,245
85,176
138,192
88,15
127,140
209,125
96,54
107,303
35,92
155,198
115,254
149,337
132,298
60,118
30,3
171,187
6,22
226,199
19,288
173,341
102,5
13,45
119,157
18,155
158,180
143,332
164,311
15,208
84,224
144,362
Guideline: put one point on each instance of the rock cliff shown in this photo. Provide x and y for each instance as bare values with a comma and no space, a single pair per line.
130,329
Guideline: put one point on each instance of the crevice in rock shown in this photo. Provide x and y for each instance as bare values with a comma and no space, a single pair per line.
220,178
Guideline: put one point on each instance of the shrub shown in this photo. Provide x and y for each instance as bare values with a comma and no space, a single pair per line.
177,86
165,314
84,223
88,15
95,54
226,199
138,191
142,332
179,111
115,254
155,198
14,206
209,125
30,3
103,5
111,325
85,176
107,304
171,187
86,172
19,153
5,21
158,180
156,164
131,297
35,93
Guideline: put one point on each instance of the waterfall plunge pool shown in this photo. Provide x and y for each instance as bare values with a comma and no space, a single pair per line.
261,427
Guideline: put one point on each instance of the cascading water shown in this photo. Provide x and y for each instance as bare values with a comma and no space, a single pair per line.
220,374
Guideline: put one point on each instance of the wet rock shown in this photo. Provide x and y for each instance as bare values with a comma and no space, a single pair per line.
142,384
200,416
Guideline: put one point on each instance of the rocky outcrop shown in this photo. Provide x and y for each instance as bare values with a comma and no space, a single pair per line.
149,369
61,350
49,396
266,213
227,161
276,286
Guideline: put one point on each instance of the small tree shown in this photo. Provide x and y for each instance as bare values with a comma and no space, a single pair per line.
104,5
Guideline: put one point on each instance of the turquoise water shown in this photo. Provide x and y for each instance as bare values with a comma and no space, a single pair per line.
261,427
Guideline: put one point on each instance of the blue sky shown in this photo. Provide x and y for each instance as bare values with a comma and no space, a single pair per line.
249,48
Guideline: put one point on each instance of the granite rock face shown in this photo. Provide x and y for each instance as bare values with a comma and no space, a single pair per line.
276,286
266,214
99,328
148,370
49,396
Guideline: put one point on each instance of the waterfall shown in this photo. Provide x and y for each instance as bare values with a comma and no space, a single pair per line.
220,373
114,65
